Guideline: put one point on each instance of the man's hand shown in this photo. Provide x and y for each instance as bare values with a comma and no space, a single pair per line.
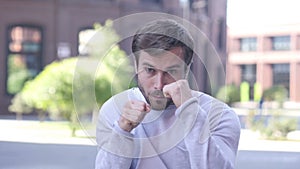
133,113
178,91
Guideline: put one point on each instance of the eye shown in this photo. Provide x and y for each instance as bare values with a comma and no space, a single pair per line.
149,70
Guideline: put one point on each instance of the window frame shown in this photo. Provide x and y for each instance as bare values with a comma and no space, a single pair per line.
8,52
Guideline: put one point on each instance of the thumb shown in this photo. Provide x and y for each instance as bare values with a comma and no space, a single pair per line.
147,108
166,91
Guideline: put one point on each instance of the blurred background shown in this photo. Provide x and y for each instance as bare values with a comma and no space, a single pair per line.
42,43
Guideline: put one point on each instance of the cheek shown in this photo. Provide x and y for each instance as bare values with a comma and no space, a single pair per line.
172,78
144,82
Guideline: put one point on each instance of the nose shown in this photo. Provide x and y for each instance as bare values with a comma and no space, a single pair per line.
159,81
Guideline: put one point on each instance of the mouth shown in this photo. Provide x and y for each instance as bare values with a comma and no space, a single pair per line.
158,97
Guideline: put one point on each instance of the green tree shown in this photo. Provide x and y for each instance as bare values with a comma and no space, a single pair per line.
276,93
77,86
229,94
18,74
19,106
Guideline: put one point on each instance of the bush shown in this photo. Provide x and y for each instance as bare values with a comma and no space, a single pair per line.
19,106
279,127
276,93
275,127
229,94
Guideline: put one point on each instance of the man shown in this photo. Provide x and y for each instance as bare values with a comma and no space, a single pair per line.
163,124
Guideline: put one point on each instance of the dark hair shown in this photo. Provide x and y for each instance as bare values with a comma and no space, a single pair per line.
163,35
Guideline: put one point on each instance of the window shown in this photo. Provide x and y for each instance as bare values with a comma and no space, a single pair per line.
281,42
249,75
248,44
281,75
24,55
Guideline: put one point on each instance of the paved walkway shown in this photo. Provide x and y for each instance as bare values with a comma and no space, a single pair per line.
13,131
19,155
24,149
251,141
21,131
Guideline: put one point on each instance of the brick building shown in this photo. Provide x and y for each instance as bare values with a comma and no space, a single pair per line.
267,55
49,29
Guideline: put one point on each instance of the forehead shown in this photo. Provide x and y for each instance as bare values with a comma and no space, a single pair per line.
164,59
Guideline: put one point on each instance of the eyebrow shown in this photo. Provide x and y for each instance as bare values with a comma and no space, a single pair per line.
174,67
168,68
147,64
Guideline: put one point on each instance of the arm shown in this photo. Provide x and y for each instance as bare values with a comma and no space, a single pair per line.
117,118
213,129
115,146
213,140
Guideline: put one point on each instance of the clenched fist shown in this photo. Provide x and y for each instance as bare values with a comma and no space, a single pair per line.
178,91
133,113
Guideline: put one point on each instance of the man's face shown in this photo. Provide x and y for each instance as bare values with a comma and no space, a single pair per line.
154,72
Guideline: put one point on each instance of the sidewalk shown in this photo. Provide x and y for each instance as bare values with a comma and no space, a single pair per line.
23,131
16,131
250,141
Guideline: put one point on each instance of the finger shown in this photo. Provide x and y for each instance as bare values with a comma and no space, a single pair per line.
167,90
139,105
134,105
147,108
130,116
134,115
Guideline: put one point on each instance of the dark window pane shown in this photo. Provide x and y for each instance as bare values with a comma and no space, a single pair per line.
281,75
248,44
24,56
281,43
249,73
30,47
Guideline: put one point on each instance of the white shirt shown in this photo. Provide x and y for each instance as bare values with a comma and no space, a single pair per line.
203,133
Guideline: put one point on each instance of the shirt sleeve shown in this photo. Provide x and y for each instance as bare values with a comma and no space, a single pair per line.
115,146
213,140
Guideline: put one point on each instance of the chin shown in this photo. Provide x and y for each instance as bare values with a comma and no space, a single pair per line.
158,104
158,107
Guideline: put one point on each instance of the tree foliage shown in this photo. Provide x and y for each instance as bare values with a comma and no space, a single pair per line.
229,94
276,93
76,86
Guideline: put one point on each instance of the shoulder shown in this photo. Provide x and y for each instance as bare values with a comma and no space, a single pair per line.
208,102
216,111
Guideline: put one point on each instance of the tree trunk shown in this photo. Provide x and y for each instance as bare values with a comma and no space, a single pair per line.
19,116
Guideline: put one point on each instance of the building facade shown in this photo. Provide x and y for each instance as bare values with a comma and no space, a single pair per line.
34,33
266,55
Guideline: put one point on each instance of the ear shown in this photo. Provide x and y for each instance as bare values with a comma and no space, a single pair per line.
188,68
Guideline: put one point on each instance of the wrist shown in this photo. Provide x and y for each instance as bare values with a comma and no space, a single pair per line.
125,124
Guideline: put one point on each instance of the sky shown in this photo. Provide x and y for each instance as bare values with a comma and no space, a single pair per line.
248,13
